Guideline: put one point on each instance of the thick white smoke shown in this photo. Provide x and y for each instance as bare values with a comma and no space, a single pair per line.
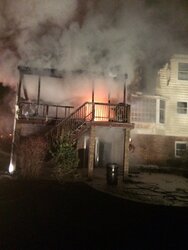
29,32
106,36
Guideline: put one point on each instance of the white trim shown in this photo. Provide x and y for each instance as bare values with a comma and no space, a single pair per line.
179,142
158,111
177,108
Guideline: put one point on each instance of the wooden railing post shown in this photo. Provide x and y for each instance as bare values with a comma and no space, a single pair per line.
93,101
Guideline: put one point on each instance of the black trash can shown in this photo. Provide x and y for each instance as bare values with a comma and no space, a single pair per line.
112,173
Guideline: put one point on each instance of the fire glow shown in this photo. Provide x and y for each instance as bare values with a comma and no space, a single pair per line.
100,96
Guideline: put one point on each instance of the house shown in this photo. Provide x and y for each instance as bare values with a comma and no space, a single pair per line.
100,129
161,120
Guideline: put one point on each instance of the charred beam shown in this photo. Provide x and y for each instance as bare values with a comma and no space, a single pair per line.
46,72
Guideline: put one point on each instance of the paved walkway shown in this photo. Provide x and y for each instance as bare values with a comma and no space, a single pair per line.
153,188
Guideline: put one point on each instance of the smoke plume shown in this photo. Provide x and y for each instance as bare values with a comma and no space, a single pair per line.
106,37
102,37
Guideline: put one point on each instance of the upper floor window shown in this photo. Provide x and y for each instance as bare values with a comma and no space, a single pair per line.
162,111
182,107
183,71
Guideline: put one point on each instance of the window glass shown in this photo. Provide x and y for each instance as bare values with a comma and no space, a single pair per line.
162,111
181,148
183,71
182,107
143,109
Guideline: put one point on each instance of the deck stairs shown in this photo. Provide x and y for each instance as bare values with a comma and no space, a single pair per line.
74,125
80,120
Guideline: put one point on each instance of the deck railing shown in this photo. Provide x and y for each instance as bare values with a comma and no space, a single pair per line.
103,112
111,112
73,122
34,111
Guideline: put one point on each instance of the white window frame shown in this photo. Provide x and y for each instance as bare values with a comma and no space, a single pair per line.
158,110
182,108
180,142
140,112
162,110
183,72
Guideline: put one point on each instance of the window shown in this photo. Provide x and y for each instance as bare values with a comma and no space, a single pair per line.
180,148
183,71
143,109
182,107
162,111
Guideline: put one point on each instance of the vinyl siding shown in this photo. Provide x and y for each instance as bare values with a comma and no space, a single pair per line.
174,91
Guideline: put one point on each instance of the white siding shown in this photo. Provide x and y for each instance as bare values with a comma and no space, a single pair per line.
175,91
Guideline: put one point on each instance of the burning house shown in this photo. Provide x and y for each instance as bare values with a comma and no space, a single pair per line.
96,36
98,119
97,124
161,133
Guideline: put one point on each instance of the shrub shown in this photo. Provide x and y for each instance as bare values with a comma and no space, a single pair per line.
65,157
31,155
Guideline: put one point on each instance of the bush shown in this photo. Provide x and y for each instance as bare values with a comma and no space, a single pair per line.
32,152
65,157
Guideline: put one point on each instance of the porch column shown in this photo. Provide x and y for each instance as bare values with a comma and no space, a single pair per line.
14,147
126,153
91,152
19,88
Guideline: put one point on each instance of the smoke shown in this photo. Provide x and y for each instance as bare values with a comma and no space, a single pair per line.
72,90
29,32
24,38
112,149
108,37
95,36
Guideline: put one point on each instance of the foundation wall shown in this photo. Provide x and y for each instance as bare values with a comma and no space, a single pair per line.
154,149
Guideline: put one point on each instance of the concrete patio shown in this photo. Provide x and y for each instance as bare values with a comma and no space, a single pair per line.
154,188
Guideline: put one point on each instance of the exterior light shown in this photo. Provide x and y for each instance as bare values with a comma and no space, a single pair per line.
11,168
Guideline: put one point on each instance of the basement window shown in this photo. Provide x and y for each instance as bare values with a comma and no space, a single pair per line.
182,107
183,71
180,148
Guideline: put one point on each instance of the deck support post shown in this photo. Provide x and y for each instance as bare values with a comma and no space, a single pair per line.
126,154
93,100
14,147
91,152
19,88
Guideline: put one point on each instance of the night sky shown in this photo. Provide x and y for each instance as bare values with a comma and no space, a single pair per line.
92,35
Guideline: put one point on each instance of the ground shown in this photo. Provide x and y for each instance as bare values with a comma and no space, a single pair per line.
154,188
47,215
81,214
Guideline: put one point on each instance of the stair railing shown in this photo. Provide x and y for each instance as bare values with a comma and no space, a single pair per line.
73,122
87,112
